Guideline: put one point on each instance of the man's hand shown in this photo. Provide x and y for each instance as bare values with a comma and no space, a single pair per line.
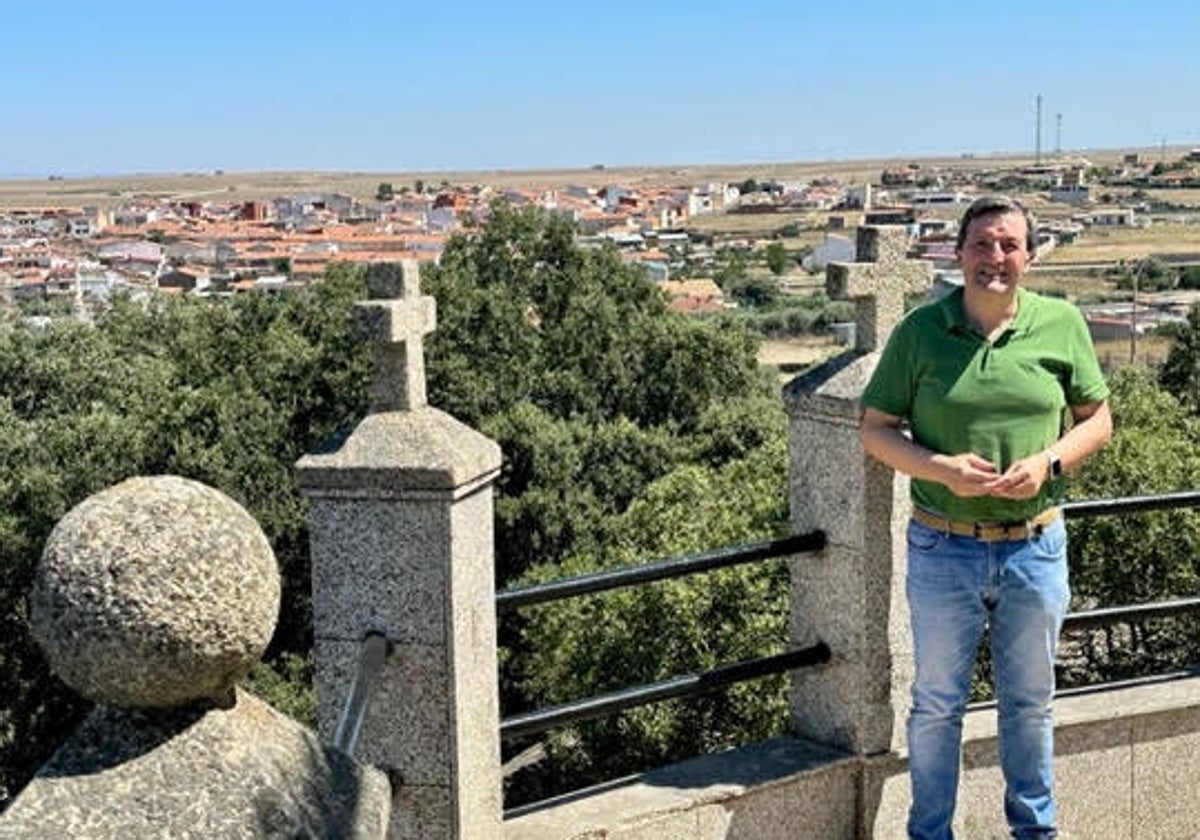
968,474
1023,479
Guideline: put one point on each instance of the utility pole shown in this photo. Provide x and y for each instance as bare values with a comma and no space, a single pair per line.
1037,142
1133,319
1058,135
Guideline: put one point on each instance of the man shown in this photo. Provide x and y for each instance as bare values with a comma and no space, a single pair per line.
970,398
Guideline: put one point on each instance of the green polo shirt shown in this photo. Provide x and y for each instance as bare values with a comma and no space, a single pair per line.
1003,400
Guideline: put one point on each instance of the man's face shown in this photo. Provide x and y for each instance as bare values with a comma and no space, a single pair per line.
993,257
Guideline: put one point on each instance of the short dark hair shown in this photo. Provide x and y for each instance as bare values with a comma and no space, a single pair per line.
995,205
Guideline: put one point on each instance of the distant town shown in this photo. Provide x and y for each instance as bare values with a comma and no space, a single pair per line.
69,259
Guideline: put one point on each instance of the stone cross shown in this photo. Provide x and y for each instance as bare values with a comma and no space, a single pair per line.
878,282
395,319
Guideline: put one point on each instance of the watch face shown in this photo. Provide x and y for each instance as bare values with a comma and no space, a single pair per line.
1055,466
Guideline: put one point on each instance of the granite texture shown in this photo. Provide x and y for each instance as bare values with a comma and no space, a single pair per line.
1165,762
851,595
395,320
156,592
400,525
782,788
381,566
187,774
878,282
1125,761
424,449
407,727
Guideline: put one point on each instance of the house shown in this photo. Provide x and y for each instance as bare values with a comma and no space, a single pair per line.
1114,321
1072,194
835,248
81,226
1113,217
183,281
144,258
693,296
95,282
935,198
890,216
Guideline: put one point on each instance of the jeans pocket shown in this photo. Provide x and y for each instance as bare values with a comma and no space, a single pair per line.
922,538
1051,543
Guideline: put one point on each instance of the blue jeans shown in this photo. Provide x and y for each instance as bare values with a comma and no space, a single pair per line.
956,587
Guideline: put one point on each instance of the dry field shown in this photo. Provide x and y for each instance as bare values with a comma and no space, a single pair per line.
759,224
238,186
1151,351
1128,244
792,355
1072,285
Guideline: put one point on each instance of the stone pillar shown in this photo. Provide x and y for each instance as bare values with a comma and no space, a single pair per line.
851,595
401,536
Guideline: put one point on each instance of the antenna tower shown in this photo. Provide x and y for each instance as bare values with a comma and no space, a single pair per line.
1058,135
1037,141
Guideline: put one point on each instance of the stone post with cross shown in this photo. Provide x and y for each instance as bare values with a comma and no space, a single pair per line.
400,526
852,594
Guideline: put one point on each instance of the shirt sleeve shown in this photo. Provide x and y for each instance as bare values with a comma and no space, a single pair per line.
1086,383
892,385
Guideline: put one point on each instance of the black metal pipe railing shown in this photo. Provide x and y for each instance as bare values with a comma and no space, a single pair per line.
688,685
1107,616
1131,504
557,590
370,662
1130,612
1121,505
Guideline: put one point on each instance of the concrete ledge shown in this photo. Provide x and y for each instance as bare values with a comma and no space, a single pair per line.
782,788
1126,763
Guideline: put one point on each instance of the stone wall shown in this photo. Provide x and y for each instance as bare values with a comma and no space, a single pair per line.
1126,761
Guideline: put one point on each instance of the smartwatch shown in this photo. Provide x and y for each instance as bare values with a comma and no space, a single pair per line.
1055,463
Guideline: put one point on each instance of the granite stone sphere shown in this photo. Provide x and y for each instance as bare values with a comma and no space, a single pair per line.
157,592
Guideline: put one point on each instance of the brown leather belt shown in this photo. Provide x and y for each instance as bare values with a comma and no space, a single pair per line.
989,531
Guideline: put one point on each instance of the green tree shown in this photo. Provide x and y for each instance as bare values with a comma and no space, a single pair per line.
595,644
1189,277
230,392
528,320
1127,559
568,356
777,258
384,191
1180,373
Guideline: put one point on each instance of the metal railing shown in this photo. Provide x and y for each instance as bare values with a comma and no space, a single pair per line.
690,685
1108,616
687,685
371,657
1122,505
559,590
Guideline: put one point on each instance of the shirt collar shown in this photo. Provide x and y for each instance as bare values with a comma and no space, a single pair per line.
954,316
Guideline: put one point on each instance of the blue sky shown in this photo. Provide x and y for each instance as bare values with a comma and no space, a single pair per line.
404,85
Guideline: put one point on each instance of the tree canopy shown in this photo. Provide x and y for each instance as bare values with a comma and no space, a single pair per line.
629,433
568,357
